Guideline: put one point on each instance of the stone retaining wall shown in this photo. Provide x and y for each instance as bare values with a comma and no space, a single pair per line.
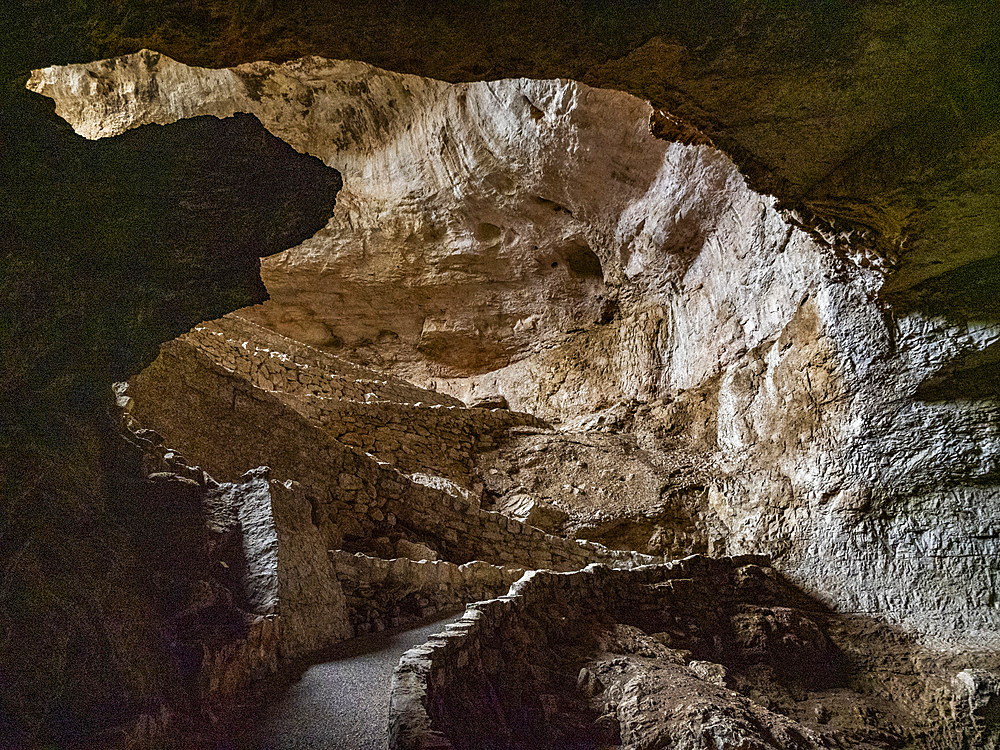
462,531
415,430
249,582
438,687
433,439
391,593
222,423
277,363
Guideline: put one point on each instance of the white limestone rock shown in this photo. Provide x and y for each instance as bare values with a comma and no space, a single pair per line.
671,277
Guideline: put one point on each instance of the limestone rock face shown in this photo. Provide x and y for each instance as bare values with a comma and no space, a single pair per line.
286,572
479,222
131,241
612,486
536,240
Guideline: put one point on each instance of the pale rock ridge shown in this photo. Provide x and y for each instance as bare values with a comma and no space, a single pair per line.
672,277
478,220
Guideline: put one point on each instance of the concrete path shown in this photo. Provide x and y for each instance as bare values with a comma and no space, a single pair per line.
340,704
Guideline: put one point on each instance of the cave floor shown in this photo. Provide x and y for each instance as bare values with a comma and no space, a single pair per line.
340,703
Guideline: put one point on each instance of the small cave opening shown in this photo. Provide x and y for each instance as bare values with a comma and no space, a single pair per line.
487,233
582,261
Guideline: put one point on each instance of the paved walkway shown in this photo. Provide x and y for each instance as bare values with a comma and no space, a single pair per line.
341,704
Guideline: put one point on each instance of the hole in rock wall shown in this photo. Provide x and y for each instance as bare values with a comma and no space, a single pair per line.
583,261
536,113
487,232
552,205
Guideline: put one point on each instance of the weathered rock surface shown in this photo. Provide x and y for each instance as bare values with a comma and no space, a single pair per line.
413,429
135,240
391,593
843,440
472,258
698,654
110,249
873,118
215,411
611,487
287,572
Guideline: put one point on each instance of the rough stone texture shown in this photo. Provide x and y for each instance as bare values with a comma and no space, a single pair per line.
202,202
221,616
845,443
279,363
612,486
257,537
696,654
393,593
495,245
218,419
287,567
111,248
876,117
883,114
416,430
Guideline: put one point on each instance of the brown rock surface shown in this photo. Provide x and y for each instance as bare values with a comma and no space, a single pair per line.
698,654
787,256
830,422
112,248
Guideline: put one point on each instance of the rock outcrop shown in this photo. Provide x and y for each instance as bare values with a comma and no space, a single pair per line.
778,275
697,654
841,439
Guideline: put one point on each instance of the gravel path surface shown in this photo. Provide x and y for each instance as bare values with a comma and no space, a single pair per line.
341,704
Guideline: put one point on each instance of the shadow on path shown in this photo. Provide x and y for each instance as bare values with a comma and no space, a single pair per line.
340,702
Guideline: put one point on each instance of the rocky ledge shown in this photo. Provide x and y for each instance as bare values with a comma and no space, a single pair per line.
696,654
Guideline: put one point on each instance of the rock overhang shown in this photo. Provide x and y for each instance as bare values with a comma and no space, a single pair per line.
498,214
782,308
117,246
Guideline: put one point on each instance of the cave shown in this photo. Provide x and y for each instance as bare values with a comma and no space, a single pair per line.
499,376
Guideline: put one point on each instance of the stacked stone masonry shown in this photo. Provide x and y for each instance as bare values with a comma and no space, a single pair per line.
392,593
430,679
416,439
275,362
250,558
695,653
416,430
220,421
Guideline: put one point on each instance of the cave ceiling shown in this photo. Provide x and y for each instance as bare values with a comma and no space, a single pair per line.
876,117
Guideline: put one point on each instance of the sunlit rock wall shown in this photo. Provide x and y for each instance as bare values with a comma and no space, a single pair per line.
534,238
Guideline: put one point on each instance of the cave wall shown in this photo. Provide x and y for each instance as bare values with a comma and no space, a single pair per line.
111,248
873,117
826,454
